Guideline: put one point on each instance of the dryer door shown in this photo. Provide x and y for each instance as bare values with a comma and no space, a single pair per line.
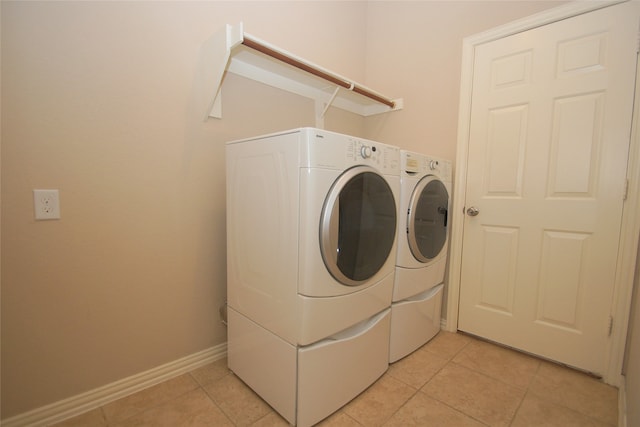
357,225
427,219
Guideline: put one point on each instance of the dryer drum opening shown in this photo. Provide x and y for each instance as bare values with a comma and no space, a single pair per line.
357,225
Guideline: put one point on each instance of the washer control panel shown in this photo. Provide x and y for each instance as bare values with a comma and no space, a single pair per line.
419,164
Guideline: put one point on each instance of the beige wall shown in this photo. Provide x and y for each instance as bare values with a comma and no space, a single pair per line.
102,101
414,51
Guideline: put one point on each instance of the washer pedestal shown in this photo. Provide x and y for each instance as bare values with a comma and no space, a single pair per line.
414,322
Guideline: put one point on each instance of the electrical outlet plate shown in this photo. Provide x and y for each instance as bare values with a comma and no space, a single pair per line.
46,204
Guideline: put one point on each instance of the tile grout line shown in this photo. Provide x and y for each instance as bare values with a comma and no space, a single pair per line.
157,405
527,391
211,399
405,402
419,389
452,361
449,360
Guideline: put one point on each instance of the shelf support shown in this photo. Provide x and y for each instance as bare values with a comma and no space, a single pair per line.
215,54
330,102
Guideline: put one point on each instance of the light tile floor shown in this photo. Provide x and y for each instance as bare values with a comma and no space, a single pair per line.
454,380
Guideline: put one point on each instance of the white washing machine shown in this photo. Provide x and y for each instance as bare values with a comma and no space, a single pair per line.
425,188
311,249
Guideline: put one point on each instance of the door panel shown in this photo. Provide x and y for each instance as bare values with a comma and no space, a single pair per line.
498,265
506,150
576,135
548,146
561,271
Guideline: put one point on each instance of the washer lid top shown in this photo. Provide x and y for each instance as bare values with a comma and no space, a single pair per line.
357,225
427,219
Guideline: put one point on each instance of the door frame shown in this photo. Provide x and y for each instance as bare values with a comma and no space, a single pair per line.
630,229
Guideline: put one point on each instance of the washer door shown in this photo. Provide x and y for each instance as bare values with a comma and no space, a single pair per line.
427,219
357,225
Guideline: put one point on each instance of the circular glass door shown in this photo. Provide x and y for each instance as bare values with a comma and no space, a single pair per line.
357,225
427,220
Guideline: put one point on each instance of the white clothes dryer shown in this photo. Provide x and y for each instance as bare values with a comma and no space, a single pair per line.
425,188
311,249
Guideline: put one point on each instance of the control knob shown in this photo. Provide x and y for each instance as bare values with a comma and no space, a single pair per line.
365,152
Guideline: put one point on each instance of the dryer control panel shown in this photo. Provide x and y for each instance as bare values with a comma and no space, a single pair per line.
376,154
338,151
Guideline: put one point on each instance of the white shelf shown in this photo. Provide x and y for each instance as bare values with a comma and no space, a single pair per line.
235,51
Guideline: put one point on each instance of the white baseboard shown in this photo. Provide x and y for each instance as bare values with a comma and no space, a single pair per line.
92,399
622,402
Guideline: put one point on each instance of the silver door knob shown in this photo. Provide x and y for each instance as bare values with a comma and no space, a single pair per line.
473,211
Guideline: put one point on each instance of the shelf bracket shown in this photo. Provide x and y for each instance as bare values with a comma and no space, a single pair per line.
335,93
215,55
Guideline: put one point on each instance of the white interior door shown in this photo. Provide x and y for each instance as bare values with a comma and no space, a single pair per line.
548,147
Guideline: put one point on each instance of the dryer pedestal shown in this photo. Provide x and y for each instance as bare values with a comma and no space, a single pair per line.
307,384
